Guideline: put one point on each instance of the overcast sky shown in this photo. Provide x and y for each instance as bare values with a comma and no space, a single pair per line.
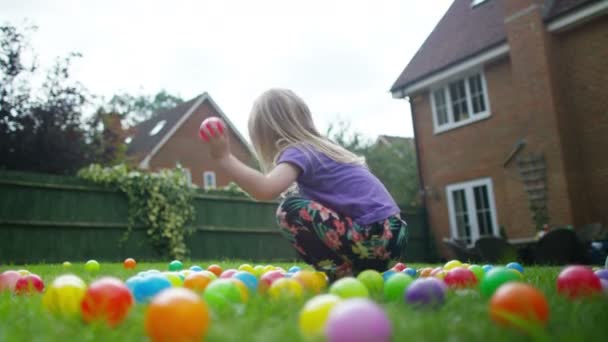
340,56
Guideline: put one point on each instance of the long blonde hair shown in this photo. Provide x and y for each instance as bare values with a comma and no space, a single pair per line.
280,119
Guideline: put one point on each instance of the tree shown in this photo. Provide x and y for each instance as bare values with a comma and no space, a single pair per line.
394,165
138,108
40,130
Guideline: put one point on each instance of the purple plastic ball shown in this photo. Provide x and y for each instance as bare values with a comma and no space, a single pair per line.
357,320
602,274
426,292
604,283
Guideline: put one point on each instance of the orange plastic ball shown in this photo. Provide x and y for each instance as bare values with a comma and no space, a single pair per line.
215,269
425,272
197,281
130,263
177,314
519,305
107,299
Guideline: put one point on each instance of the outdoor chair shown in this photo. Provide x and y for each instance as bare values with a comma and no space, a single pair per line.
560,246
494,249
460,250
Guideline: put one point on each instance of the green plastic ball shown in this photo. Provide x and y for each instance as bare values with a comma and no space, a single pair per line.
395,287
67,264
349,287
222,295
91,266
495,278
176,265
477,271
372,280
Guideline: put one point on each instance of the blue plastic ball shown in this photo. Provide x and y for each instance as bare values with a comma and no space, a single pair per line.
248,279
149,286
388,274
196,268
516,266
487,268
410,271
293,269
133,281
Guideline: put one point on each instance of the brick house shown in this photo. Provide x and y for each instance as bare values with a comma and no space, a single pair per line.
171,137
509,103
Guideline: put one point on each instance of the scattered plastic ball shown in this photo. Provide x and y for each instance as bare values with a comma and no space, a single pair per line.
487,268
176,265
439,273
285,288
215,269
209,274
29,284
242,289
410,271
268,268
92,266
452,264
174,279
496,277
195,268
66,264
268,278
358,320
399,267
64,295
387,274
294,269
373,281
602,274
313,316
310,280
395,287
519,305
149,286
477,271
426,292
348,288
516,266
258,270
460,278
578,281
248,279
129,263
228,273
425,272
604,283
197,281
177,314
23,272
222,295
107,299
8,280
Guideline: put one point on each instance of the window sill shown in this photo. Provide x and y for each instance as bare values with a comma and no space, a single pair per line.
475,118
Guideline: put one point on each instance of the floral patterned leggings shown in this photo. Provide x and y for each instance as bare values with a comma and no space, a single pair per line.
334,244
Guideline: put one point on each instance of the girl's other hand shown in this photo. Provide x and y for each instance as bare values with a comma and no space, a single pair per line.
214,132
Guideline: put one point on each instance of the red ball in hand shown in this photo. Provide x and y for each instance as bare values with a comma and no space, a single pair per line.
210,126
578,281
28,284
107,299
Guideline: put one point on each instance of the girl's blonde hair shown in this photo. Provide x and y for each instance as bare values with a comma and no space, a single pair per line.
280,119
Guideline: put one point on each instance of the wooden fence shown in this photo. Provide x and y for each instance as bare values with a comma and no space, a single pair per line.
48,218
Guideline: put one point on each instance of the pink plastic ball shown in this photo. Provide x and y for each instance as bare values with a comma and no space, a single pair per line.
358,320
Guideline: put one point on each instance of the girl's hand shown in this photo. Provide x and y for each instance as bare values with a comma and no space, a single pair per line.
213,131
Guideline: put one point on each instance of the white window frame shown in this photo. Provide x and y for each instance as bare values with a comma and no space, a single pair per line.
209,186
471,211
188,175
446,92
477,2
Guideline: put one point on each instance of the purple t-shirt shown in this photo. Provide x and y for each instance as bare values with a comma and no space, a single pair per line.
350,190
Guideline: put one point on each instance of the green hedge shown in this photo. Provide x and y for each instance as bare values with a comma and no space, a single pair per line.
48,218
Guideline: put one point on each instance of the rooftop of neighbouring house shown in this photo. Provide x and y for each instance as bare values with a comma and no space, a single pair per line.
465,31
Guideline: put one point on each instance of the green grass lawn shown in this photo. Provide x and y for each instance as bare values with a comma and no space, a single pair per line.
464,317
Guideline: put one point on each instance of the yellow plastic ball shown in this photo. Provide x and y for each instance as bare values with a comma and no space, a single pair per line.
268,268
246,268
310,281
285,288
313,315
452,264
174,279
323,278
242,289
258,270
64,295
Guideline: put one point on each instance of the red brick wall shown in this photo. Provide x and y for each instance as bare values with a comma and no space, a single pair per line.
582,73
186,148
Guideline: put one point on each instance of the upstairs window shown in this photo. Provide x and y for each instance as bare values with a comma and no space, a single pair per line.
209,180
477,2
460,102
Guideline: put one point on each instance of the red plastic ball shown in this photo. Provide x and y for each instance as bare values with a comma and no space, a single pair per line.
268,278
399,267
228,273
215,269
107,299
209,126
578,281
460,278
519,305
130,263
29,284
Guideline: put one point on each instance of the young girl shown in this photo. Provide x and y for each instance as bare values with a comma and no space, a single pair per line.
343,220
